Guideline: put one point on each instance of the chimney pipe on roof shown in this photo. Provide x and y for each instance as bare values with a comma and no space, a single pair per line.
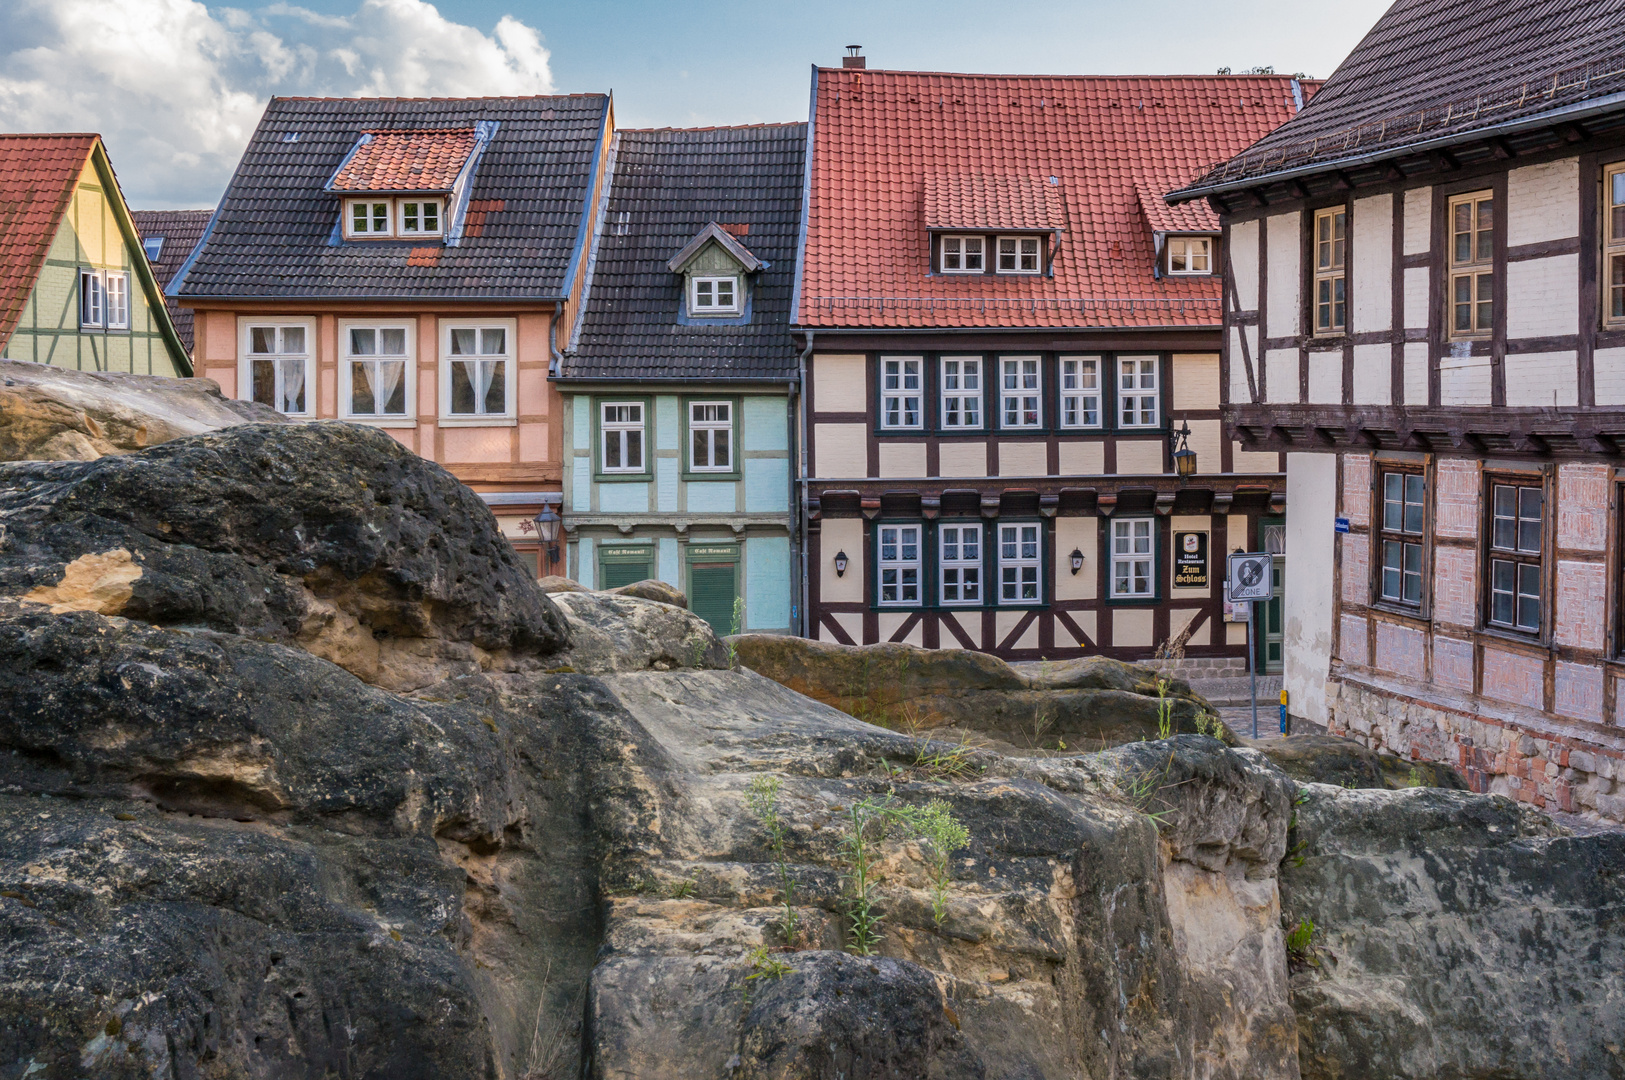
854,57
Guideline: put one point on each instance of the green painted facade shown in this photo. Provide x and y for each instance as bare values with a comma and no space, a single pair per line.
96,233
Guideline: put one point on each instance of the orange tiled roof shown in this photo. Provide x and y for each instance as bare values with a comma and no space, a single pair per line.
993,201
405,161
37,178
1191,217
888,145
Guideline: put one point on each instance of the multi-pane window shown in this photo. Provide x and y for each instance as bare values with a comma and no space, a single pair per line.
1331,282
1400,578
710,436
1472,270
420,217
376,361
961,393
1516,522
620,428
1019,564
962,254
900,391
118,299
278,368
1190,255
959,562
92,299
1613,245
899,564
1133,559
368,218
477,371
1020,254
1138,398
1080,391
714,296
1020,392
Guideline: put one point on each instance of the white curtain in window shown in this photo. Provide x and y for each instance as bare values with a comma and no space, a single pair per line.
389,377
484,372
293,386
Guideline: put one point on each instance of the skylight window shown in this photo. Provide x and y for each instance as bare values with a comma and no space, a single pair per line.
153,246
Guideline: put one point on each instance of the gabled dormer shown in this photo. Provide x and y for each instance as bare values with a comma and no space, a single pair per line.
717,271
1185,238
1001,224
408,185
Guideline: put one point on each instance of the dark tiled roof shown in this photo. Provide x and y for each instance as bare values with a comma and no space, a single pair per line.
669,185
181,230
1441,68
37,177
270,236
405,161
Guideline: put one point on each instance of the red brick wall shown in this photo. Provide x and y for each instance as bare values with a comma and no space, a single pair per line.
1578,691
1455,586
1357,489
1514,677
1456,506
1582,606
1352,645
1582,507
1401,650
1453,663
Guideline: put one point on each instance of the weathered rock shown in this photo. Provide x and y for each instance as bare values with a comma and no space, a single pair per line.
553,583
1332,759
653,589
50,413
1455,935
613,632
330,536
1089,702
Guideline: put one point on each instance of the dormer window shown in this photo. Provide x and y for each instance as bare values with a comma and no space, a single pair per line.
1190,255
962,254
714,296
1020,254
420,217
368,217
400,184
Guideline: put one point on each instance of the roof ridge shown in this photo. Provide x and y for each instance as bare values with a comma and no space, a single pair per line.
481,97
1016,75
713,127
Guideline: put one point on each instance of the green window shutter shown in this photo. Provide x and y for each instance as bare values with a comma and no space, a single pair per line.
711,595
618,572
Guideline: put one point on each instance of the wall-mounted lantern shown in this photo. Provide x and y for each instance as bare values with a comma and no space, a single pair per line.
1184,456
1077,560
547,531
840,564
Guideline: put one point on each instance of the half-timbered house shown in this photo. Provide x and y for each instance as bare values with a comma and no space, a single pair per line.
1428,318
1004,324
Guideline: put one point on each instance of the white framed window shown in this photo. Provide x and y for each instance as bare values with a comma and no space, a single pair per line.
959,564
1138,396
1021,254
620,430
275,365
1020,392
117,284
963,254
1019,564
477,384
710,436
367,217
1190,255
1133,559
375,377
961,393
715,295
420,217
899,565
1080,391
900,391
92,299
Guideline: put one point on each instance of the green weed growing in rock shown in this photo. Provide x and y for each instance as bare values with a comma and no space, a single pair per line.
762,796
953,763
1300,944
868,821
1165,710
763,965
1209,724
734,629
944,834
1416,779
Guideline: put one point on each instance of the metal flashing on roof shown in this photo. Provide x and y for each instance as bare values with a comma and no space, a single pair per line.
715,234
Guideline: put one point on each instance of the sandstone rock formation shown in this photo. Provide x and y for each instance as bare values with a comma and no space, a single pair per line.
1093,703
50,413
1333,759
522,842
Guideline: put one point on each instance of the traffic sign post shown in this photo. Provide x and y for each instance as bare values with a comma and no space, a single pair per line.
1249,579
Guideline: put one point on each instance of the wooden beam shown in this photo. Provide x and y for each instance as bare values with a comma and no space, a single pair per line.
1444,161
1502,149
1572,132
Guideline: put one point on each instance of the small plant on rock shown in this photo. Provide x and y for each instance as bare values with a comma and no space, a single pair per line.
763,965
1165,710
762,796
735,628
868,821
944,834
1300,944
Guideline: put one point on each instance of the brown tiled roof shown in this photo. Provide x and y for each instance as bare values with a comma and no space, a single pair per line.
181,230
37,178
880,136
1441,69
993,201
405,161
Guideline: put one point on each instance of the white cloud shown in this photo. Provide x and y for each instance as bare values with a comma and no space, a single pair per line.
176,89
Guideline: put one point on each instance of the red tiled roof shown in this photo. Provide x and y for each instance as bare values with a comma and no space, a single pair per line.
993,201
885,141
1187,217
37,178
405,161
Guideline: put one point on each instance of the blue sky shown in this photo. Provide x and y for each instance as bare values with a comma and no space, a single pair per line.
177,85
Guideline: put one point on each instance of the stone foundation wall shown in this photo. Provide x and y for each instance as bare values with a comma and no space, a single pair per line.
1200,667
1545,767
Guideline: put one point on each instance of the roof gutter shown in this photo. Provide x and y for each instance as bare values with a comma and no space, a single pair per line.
1578,111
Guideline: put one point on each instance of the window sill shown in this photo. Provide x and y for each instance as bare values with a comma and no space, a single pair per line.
1389,607
477,421
1512,637
623,478
730,477
380,421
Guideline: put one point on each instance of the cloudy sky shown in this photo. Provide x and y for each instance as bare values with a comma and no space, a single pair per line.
176,86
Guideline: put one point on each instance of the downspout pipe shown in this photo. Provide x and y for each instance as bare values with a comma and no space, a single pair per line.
801,473
555,363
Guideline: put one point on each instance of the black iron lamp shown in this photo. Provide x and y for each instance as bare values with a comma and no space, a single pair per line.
840,564
1184,456
1077,560
547,531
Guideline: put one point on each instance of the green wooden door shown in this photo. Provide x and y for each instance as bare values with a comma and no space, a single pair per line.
711,591
624,566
